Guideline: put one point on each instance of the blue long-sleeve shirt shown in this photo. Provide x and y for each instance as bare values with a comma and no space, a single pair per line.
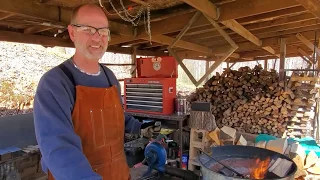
60,147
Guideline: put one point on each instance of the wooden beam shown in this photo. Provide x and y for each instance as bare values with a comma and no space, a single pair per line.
133,61
272,41
186,45
207,68
215,65
307,43
184,30
222,32
261,21
140,2
34,39
270,50
262,58
53,14
232,65
187,54
306,60
243,8
252,54
303,53
205,7
211,42
4,16
238,28
193,80
212,68
232,24
282,58
51,42
272,7
266,64
182,44
36,29
272,15
291,22
312,5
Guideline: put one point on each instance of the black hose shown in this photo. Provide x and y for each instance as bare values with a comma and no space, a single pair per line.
180,173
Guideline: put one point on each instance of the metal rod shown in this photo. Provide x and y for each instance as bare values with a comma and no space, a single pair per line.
223,164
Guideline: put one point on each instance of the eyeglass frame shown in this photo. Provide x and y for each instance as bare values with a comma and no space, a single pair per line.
96,29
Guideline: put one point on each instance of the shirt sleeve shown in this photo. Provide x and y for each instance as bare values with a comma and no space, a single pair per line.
60,146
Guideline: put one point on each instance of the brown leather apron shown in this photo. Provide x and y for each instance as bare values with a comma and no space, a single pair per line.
98,119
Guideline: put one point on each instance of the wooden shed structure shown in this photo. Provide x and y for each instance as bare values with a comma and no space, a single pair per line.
216,30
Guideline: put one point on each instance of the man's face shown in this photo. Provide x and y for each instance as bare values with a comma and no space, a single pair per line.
88,41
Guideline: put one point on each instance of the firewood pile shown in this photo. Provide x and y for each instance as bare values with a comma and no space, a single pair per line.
255,101
306,93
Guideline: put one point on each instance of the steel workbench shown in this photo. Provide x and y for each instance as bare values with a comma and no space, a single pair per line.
172,117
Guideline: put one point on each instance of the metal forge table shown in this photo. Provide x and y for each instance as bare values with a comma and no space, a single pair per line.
172,117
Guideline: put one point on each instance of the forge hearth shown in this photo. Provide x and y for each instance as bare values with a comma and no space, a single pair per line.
250,162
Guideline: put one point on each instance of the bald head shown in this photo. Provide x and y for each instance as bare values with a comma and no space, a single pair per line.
85,20
87,10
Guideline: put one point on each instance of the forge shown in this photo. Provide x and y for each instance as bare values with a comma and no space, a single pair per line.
245,162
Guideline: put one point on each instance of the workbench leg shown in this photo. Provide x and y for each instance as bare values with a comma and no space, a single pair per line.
181,149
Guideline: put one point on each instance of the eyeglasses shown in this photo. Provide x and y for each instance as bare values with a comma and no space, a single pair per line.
92,30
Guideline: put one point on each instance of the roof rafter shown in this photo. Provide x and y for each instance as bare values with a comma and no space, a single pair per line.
53,14
239,9
312,5
205,6
51,41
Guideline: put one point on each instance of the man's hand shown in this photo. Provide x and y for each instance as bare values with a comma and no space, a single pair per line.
147,129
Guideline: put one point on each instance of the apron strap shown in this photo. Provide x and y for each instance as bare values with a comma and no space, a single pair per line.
67,72
106,75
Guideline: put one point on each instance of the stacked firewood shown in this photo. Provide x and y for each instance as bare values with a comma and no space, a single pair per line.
306,93
255,101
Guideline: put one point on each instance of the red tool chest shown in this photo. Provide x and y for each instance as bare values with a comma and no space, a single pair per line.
157,67
150,95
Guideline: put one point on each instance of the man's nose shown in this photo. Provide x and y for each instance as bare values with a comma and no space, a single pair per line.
96,37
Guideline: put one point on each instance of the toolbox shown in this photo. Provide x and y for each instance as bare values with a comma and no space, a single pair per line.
150,95
157,67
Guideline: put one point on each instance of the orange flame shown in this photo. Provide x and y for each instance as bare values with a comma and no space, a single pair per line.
260,169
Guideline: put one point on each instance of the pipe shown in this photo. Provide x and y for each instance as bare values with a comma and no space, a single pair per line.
180,173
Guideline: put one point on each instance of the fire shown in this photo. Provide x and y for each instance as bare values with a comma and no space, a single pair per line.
260,168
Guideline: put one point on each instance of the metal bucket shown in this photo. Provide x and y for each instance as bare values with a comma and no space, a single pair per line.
181,105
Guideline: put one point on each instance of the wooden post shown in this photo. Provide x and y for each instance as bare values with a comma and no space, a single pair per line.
282,58
232,65
207,68
133,61
185,29
266,64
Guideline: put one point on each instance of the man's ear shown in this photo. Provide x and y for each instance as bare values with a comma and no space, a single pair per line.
71,32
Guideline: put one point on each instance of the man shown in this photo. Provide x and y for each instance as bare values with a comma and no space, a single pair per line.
79,120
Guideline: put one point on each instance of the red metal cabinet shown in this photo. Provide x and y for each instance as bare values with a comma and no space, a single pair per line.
150,95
